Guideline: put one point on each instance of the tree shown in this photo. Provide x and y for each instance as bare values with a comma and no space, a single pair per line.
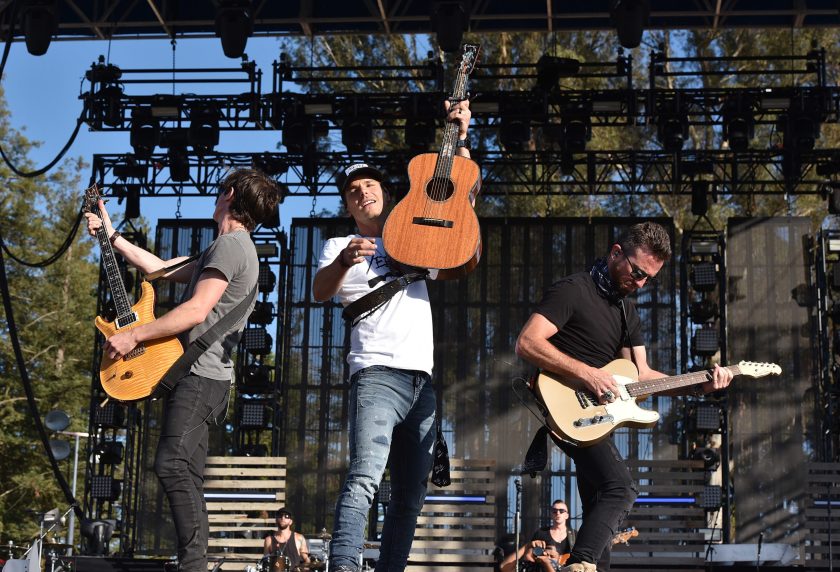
53,310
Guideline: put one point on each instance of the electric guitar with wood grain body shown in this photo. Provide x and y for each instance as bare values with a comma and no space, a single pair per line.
574,415
434,226
136,375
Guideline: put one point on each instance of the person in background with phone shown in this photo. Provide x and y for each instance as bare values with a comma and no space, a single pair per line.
548,546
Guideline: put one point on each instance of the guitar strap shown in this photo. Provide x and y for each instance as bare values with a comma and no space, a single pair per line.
626,333
182,365
372,301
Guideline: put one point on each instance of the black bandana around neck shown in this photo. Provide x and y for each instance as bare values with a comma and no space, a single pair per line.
603,283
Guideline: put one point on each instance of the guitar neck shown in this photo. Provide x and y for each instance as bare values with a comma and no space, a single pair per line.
651,386
450,133
112,273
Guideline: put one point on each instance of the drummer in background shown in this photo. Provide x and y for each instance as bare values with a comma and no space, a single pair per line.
286,555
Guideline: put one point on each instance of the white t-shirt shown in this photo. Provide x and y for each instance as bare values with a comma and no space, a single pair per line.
399,334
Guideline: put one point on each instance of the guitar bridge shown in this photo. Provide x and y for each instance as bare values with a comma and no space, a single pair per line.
596,420
427,221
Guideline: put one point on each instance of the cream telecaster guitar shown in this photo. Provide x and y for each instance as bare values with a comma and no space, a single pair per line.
576,416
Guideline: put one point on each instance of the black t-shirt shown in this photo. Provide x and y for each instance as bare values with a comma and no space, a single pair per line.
590,326
544,534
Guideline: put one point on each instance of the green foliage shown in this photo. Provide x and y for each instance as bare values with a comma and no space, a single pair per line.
53,310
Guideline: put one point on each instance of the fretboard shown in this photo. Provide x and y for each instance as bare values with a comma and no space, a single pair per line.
112,273
443,167
651,386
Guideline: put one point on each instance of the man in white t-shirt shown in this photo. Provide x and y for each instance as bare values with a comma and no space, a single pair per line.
392,401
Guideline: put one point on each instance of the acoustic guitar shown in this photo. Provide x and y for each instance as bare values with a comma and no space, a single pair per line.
574,415
434,226
136,375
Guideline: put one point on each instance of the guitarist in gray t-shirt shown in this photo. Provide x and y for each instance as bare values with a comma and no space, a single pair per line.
218,281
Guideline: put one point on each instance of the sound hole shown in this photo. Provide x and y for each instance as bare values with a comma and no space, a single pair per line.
440,189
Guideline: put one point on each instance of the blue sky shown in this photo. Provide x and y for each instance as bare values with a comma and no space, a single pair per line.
42,94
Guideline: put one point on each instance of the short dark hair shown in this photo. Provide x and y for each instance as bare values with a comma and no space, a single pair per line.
558,501
648,235
255,196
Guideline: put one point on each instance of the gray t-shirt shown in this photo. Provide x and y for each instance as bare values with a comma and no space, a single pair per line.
234,255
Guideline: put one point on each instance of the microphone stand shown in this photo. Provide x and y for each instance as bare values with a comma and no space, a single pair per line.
516,519
711,538
758,551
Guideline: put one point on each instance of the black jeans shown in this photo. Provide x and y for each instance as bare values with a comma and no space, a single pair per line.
607,492
190,407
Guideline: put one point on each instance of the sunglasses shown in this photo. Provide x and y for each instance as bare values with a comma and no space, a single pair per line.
558,510
637,273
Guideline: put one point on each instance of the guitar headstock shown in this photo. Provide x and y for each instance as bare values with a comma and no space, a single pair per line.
469,57
91,199
623,537
758,369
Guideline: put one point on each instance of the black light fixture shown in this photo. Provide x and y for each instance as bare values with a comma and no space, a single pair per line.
577,129
672,129
98,534
298,131
703,311
234,26
703,276
266,279
254,415
257,341
110,98
356,122
699,197
270,164
105,488
708,417
514,123
711,497
132,201
449,22
256,380
109,452
145,132
551,68
738,122
630,18
39,22
179,163
263,313
203,133
709,456
421,123
111,415
705,342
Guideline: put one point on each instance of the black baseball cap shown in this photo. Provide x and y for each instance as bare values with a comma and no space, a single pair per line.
354,171
284,511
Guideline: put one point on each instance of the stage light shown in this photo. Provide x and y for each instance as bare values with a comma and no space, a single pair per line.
672,131
98,534
421,123
254,415
39,21
179,163
298,133
109,452
630,18
262,314
449,22
130,170
203,133
132,201
145,132
356,133
699,197
738,123
60,449
234,26
257,341
110,415
703,311
711,497
56,420
577,130
703,276
551,68
705,342
801,124
112,107
704,246
710,458
270,164
256,379
707,417
266,249
105,487
266,279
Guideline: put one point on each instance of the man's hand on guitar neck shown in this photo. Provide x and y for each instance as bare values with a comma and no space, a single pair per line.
721,378
460,114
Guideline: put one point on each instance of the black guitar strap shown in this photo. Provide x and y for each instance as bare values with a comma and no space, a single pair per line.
372,301
182,365
626,333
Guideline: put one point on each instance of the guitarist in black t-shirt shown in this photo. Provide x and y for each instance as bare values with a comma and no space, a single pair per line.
548,544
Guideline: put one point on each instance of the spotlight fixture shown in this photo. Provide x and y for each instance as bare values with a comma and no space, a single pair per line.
298,132
254,415
630,18
110,98
39,21
551,68
263,313
738,123
707,417
449,22
356,133
203,133
98,534
672,130
109,452
234,26
705,342
179,164
145,132
132,201
270,164
257,379
514,123
703,311
577,130
266,279
711,497
710,458
105,487
703,276
257,341
111,416
699,197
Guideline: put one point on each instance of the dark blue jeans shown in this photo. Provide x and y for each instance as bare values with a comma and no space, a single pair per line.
392,412
190,408
607,492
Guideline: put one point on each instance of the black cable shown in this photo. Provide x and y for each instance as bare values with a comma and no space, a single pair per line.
53,258
79,121
27,386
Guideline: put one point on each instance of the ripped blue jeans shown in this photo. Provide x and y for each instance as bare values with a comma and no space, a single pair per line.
392,411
